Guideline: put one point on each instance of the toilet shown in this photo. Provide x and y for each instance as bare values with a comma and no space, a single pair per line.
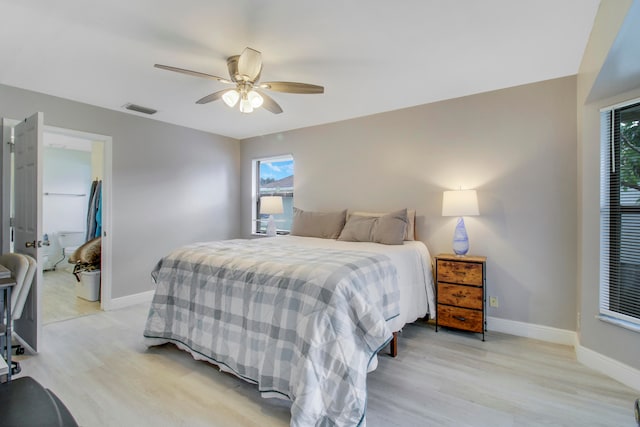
69,241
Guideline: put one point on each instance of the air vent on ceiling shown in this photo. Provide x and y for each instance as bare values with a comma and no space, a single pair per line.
139,109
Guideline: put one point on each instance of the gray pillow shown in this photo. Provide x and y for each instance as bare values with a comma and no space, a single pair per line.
326,225
388,229
410,234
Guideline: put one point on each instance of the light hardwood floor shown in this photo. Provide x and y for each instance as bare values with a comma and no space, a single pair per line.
59,297
99,366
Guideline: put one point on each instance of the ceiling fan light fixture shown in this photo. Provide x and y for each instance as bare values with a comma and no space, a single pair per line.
245,105
255,99
231,97
244,73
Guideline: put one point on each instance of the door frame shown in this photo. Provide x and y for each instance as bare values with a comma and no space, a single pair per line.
107,179
106,258
7,187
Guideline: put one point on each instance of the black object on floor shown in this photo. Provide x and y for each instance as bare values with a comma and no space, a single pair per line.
24,403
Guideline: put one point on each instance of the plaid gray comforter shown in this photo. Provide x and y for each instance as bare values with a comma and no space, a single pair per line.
301,322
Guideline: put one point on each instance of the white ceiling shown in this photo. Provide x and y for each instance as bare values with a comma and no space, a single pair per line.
370,55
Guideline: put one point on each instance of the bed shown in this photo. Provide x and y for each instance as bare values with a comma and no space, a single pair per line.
302,317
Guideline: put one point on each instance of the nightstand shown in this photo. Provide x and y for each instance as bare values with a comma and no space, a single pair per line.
460,292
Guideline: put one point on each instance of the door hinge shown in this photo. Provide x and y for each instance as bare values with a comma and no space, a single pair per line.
12,146
12,222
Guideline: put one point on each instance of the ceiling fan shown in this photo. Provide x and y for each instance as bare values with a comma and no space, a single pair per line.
244,73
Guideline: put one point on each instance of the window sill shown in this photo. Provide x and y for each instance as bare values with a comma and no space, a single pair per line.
279,233
621,323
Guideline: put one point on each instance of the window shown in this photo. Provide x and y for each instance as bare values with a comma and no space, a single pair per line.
620,215
273,176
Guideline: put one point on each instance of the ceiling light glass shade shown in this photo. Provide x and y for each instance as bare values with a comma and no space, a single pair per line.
255,99
231,97
245,105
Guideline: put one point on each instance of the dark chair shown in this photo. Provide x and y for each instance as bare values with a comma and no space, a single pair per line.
25,403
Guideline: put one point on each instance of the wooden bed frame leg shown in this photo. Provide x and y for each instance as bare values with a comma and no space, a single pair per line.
393,345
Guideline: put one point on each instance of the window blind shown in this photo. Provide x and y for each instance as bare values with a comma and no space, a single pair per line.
620,213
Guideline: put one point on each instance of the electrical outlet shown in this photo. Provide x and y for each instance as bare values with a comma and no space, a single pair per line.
493,301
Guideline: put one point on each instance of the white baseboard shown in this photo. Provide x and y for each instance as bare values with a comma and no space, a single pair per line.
618,371
530,330
129,300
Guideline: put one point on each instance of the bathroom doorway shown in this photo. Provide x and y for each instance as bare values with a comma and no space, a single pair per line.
72,167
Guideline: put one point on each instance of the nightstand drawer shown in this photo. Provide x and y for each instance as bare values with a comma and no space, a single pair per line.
461,296
461,318
464,273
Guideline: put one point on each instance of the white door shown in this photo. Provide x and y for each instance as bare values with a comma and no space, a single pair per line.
28,217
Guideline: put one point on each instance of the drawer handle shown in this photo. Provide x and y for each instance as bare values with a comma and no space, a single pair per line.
460,318
458,295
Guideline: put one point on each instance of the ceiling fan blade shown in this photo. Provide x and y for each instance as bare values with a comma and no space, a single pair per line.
192,73
210,98
269,104
292,87
249,65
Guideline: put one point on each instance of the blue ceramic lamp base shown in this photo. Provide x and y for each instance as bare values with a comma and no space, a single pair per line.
460,239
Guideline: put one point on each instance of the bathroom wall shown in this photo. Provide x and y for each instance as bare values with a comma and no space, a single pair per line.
67,176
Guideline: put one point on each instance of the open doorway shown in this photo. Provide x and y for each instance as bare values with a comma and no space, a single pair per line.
73,171
21,212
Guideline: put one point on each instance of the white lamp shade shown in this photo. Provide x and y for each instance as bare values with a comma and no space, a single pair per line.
271,205
460,203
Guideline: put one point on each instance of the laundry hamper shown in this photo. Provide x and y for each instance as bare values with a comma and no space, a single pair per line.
88,287
86,260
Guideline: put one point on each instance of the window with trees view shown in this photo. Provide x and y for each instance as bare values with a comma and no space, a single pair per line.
620,214
273,176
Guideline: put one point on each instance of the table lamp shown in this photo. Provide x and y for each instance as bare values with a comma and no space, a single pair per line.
270,205
460,203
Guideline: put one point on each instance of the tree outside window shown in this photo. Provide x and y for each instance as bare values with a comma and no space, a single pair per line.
621,295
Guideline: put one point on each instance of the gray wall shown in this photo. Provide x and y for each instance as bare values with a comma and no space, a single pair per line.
516,146
604,338
171,185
